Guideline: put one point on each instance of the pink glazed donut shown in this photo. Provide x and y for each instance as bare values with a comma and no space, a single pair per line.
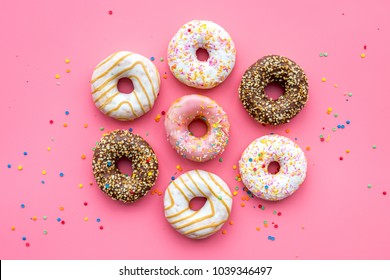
197,107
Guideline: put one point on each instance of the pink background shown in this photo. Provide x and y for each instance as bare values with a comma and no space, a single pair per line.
334,215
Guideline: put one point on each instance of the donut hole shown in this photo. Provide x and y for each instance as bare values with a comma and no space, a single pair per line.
274,90
198,128
125,166
202,54
273,167
197,203
125,85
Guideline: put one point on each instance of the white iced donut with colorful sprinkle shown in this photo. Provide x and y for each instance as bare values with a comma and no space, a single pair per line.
254,167
207,220
197,107
122,106
182,59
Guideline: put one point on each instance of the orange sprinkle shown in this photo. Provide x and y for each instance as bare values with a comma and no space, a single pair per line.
65,125
157,118
34,218
323,79
224,231
67,70
83,156
62,208
308,148
159,193
287,130
258,228
231,223
243,204
347,151
13,228
165,76
85,125
234,167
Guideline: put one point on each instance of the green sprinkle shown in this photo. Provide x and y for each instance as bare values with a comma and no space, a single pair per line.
220,159
101,129
275,212
236,188
374,147
45,232
161,59
325,54
45,218
350,94
369,186
334,129
220,197
336,115
321,54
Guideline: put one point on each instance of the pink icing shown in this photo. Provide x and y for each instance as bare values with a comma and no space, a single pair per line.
188,108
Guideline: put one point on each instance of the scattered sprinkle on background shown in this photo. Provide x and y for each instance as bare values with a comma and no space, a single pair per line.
50,206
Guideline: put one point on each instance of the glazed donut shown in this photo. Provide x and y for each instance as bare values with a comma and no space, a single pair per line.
187,109
123,144
287,74
121,106
205,221
182,59
259,154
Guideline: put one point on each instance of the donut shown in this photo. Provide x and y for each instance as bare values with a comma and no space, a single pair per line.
205,221
182,59
122,106
254,167
288,75
197,107
124,144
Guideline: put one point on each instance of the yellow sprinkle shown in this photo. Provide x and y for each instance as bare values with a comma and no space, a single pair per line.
178,167
80,186
150,173
20,167
13,228
235,193
58,76
347,151
86,219
157,118
43,172
48,148
67,60
328,138
330,109
67,71
323,79
363,55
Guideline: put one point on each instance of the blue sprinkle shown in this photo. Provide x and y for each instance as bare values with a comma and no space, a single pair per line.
338,126
342,126
271,238
250,159
9,165
61,174
58,219
66,112
107,186
22,205
24,238
130,129
266,187
25,153
42,181
173,178
348,122
98,220
152,58
109,163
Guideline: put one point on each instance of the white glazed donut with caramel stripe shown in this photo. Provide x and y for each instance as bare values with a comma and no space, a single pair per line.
121,106
205,221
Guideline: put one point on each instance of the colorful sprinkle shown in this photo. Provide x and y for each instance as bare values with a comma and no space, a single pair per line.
20,167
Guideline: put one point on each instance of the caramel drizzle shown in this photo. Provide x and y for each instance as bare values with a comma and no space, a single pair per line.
105,93
143,88
111,67
201,218
181,179
108,100
177,187
106,60
178,213
203,227
172,200
139,101
222,188
211,190
119,105
124,71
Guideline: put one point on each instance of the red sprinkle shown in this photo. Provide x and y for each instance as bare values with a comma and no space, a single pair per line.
279,213
110,12
276,226
341,158
85,203
365,47
51,122
189,30
260,206
163,113
384,193
27,244
101,227
62,222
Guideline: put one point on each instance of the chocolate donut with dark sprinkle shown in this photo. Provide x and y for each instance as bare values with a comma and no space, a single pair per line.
124,144
270,69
